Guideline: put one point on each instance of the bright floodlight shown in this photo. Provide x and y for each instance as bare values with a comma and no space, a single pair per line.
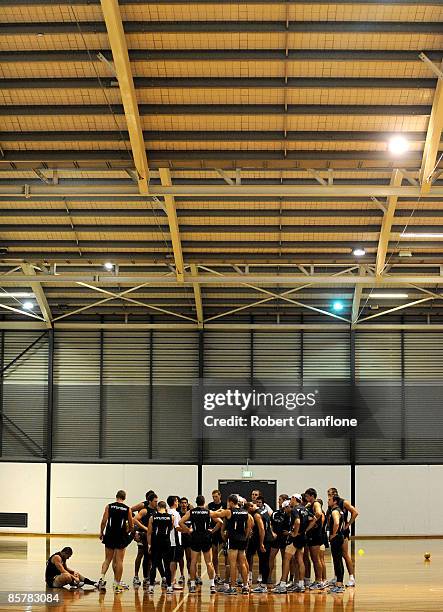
359,252
337,306
108,265
28,305
398,145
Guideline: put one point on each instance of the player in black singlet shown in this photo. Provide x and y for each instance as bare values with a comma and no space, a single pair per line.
58,574
115,527
296,542
201,531
325,543
265,550
141,520
186,540
159,544
336,523
350,514
281,525
216,536
238,527
314,537
256,539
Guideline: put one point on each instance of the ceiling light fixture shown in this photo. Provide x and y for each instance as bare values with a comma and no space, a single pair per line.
398,145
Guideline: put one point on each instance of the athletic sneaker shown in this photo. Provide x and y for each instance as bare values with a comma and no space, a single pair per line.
124,586
218,580
299,589
118,588
280,589
260,588
351,583
337,589
245,590
198,580
213,589
145,583
169,590
290,588
151,589
239,581
181,580
222,588
230,591
314,586
177,586
192,589
259,579
136,581
332,582
101,585
163,582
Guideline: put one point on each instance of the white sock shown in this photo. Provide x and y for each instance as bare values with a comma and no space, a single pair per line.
192,582
351,577
282,583
300,583
212,581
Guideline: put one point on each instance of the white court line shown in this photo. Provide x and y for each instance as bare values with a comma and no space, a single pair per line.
185,597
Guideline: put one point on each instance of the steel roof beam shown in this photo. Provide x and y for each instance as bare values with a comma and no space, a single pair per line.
221,83
229,55
91,188
114,27
219,109
234,26
268,280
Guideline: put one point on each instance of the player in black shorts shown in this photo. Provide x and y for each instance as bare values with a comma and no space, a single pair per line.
216,538
264,551
325,543
256,538
159,544
186,540
281,525
296,543
336,523
200,530
115,527
141,520
238,527
58,574
350,514
314,537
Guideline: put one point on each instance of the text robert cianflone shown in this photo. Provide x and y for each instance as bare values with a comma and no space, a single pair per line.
273,422
256,399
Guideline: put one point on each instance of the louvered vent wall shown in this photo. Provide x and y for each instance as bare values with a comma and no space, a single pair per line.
76,395
25,395
378,360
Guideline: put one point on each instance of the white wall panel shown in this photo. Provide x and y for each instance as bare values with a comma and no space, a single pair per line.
23,487
397,499
81,491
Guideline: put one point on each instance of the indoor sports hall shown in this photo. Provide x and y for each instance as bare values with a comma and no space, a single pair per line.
221,305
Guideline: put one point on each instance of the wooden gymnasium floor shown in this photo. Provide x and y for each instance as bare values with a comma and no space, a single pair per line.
392,575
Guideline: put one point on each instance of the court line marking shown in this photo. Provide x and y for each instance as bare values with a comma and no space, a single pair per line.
185,597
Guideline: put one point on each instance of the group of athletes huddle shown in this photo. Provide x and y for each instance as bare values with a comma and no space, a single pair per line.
173,533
